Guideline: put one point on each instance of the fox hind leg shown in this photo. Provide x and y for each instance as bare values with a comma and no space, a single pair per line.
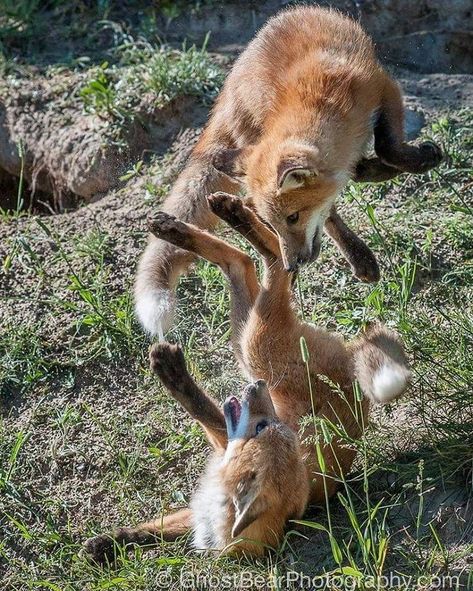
389,141
105,548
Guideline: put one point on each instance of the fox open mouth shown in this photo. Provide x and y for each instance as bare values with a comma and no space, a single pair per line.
237,412
232,412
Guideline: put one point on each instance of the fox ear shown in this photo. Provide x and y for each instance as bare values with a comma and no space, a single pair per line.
249,503
231,162
292,175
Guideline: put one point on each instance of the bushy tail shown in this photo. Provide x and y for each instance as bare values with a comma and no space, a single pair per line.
380,365
162,263
158,271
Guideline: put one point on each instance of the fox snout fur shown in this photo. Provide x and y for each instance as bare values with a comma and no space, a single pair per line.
265,468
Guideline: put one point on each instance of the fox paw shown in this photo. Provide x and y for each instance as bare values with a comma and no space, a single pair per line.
229,208
431,155
167,227
364,265
100,549
168,362
162,223
366,271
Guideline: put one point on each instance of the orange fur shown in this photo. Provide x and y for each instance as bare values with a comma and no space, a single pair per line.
291,125
265,467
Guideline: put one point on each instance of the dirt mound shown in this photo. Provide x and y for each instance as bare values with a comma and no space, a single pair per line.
71,156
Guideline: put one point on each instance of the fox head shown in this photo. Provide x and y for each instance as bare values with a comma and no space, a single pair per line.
262,470
292,188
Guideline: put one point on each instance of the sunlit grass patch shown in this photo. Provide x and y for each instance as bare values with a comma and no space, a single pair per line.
90,440
147,77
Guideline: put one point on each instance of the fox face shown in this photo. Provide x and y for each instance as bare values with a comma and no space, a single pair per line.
250,417
292,189
297,213
258,484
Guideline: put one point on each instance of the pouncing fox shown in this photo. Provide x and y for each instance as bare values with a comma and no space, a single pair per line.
265,467
291,125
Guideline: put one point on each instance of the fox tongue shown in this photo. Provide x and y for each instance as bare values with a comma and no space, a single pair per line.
234,409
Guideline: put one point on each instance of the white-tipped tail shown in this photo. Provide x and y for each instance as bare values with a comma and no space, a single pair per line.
155,310
389,382
155,299
380,365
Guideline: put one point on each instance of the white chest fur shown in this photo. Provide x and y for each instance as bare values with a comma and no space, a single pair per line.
209,507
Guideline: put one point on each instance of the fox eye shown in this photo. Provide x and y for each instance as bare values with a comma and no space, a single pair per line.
260,426
293,218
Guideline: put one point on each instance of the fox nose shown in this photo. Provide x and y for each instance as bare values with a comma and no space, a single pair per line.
301,260
256,388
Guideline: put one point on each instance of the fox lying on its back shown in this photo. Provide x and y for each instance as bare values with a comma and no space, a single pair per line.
291,124
261,474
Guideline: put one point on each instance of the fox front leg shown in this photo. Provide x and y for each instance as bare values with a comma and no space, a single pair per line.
358,254
168,363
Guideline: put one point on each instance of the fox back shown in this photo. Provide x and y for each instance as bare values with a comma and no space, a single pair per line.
302,100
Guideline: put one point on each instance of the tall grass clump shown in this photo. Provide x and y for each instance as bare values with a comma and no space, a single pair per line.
157,75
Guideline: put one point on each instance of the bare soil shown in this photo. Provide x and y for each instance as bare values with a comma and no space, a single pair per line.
69,154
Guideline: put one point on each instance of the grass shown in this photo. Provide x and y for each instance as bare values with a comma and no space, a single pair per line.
89,440
100,324
161,73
